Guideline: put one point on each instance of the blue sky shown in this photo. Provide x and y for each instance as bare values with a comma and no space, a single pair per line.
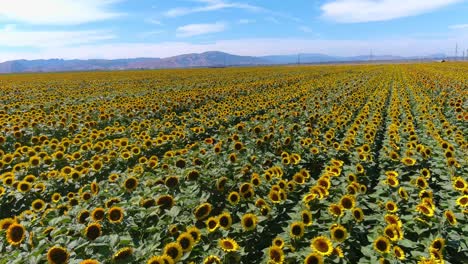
84,29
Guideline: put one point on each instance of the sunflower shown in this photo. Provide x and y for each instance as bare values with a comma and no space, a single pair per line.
426,173
156,260
123,254
249,222
408,161
403,193
338,233
392,182
228,244
450,216
438,244
314,258
130,184
306,217
165,201
336,210
393,219
425,210
174,250
186,241
212,224
24,186
392,232
89,261
221,183
275,254
360,169
274,196
94,187
211,259
391,206
348,201
15,234
296,230
399,253
225,220
93,231
6,222
322,245
171,181
115,215
358,214
202,211
459,184
338,252
382,245
57,255
195,233
98,214
462,201
278,241
436,255
421,182
233,198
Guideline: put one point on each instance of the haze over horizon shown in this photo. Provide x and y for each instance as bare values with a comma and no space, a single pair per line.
112,29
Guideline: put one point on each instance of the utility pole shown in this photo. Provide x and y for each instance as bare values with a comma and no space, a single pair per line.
456,51
298,59
370,55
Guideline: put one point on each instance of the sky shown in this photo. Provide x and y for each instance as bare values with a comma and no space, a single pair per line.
109,29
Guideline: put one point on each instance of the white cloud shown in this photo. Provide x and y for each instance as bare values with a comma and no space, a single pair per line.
10,37
200,29
56,12
272,20
355,11
210,5
305,29
245,21
459,26
154,21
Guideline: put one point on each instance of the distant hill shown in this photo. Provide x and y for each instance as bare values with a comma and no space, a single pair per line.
206,59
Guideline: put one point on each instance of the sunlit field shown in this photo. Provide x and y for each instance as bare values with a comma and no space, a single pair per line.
293,164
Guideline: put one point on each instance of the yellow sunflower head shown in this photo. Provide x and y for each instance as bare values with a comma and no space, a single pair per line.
15,234
296,230
174,250
322,245
249,222
382,245
186,241
228,244
57,255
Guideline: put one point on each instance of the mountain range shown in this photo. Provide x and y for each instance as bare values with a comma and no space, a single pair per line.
206,59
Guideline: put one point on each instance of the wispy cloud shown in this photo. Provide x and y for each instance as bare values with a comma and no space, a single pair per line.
56,12
11,37
154,21
245,21
272,20
305,29
210,5
200,29
459,26
355,11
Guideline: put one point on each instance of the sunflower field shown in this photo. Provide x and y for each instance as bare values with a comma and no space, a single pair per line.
291,164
